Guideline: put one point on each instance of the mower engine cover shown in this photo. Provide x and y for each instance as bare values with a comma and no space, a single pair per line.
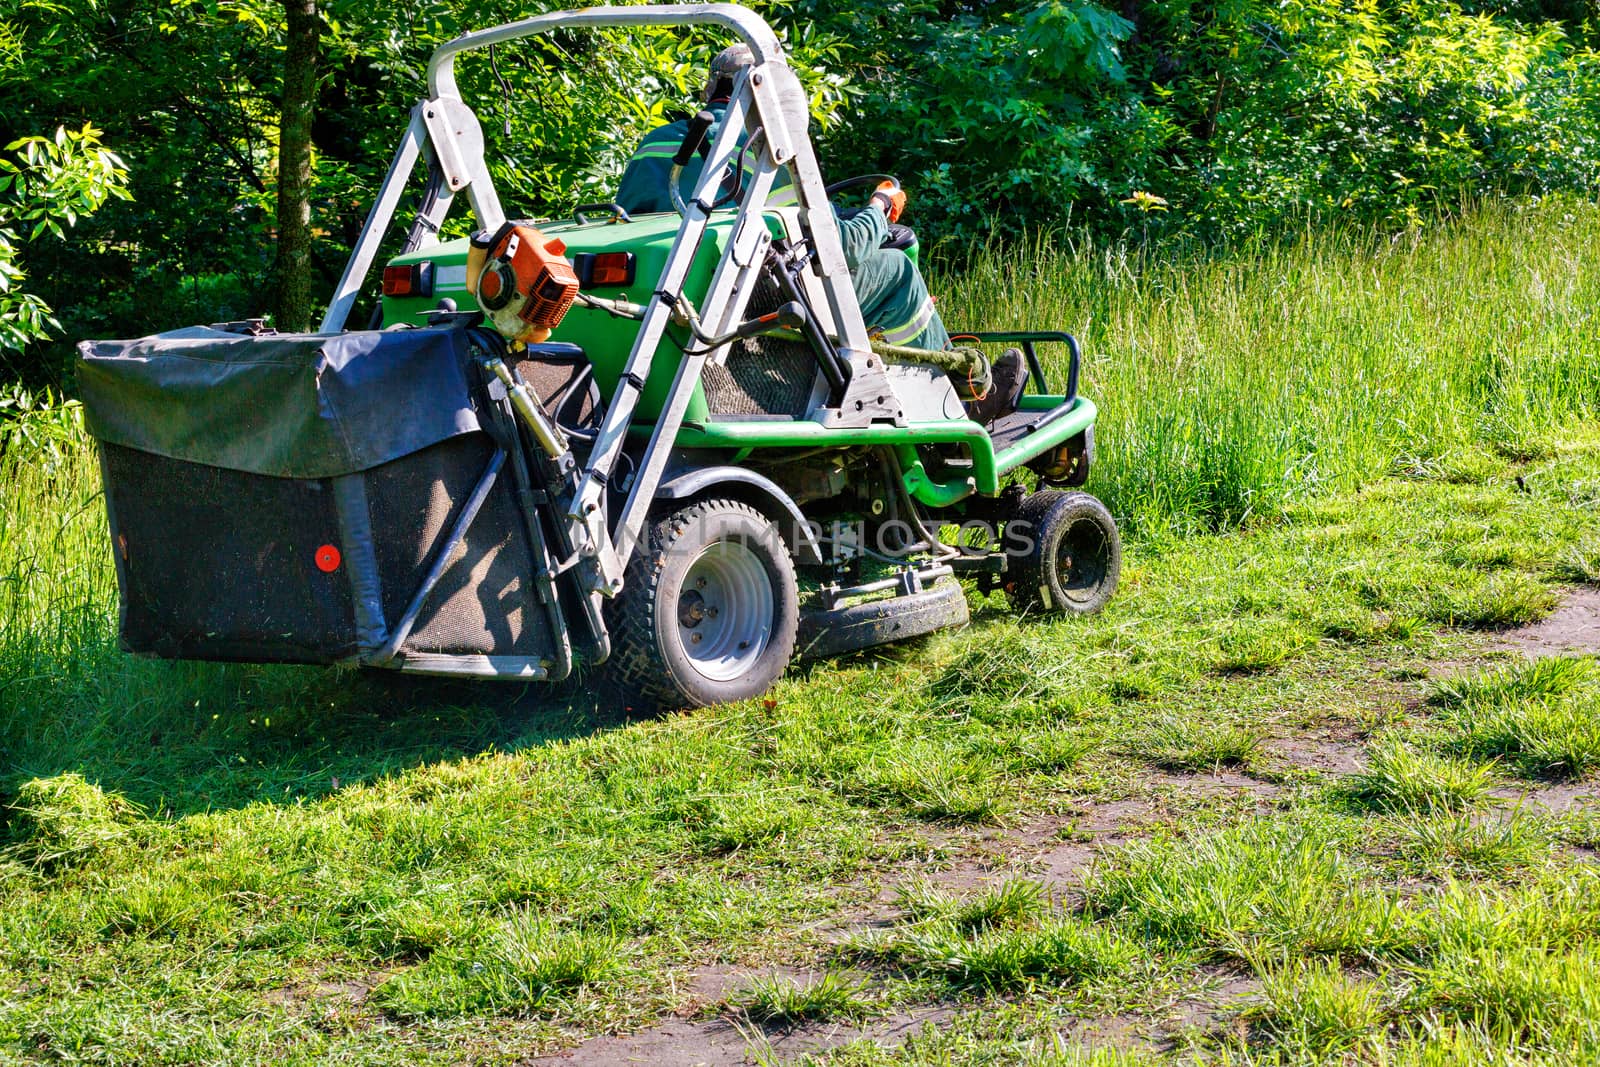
522,280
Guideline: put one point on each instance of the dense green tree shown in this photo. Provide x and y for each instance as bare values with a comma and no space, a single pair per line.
251,167
50,184
291,272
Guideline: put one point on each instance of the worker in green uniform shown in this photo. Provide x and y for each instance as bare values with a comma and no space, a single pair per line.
895,303
644,182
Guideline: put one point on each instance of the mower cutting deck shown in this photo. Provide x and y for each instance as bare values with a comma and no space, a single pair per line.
621,441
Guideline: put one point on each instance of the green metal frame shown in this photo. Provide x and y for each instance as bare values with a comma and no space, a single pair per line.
607,340
988,466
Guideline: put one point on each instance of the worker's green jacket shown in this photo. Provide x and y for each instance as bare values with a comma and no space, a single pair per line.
894,299
644,182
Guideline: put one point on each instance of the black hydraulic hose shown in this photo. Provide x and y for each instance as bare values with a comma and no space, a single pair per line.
828,359
692,138
915,517
860,179
737,192
424,227
421,228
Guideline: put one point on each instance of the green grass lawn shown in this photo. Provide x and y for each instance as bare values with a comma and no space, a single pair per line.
1281,802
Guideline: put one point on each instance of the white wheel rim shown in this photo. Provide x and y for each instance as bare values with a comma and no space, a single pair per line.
725,611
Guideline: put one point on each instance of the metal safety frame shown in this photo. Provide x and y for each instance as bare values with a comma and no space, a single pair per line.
445,131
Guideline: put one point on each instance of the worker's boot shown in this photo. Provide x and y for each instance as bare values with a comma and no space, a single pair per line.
1007,376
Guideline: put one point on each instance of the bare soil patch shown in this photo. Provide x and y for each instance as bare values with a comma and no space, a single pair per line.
1326,754
1574,627
1216,1009
1549,799
721,1042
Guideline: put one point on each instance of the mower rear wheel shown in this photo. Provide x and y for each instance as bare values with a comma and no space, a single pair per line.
708,612
1075,559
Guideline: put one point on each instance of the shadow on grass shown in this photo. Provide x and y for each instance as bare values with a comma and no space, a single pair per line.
177,738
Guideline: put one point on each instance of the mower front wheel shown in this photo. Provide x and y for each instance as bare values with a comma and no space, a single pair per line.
1075,556
709,610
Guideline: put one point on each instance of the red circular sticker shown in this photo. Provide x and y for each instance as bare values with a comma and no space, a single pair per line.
327,558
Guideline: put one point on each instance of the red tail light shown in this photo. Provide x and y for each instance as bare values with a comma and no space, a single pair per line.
597,269
408,279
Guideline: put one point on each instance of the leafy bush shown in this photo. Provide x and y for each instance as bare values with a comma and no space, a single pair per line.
1169,118
1215,120
50,183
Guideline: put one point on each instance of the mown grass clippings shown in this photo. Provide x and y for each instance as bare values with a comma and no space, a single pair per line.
1399,777
779,1000
64,820
1186,744
940,785
1518,444
1317,1010
995,673
157,909
1459,467
528,965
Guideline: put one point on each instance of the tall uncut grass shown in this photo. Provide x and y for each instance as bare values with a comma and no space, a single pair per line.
1229,386
211,863
1232,384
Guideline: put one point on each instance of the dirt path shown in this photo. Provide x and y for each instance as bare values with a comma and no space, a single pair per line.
1060,851
1574,627
721,1042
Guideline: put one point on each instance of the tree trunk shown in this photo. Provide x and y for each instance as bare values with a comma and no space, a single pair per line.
292,308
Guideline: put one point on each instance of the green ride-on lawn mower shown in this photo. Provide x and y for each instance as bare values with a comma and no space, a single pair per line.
662,446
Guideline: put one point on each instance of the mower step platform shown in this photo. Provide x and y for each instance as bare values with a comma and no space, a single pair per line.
1007,430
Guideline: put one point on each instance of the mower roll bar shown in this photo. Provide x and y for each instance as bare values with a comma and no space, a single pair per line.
444,119
749,26
1029,340
444,129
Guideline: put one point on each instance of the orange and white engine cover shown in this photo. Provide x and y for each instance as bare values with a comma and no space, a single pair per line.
522,280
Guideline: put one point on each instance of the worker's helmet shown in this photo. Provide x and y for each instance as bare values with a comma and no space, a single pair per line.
725,68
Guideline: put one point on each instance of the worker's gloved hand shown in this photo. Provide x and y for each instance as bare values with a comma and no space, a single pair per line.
889,198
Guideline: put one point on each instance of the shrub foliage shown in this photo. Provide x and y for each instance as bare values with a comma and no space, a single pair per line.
1162,118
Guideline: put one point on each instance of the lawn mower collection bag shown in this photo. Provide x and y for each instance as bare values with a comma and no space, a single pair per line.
308,498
